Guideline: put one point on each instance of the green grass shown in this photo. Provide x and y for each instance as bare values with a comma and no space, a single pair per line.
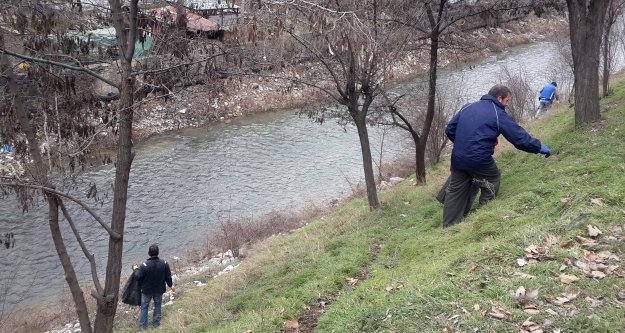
444,272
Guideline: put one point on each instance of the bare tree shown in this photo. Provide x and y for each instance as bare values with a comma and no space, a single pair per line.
586,19
522,102
609,38
57,60
342,48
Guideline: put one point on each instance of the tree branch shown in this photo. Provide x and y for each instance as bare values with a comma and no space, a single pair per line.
113,234
60,64
89,256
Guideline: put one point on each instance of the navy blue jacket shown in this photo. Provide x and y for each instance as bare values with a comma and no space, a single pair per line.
152,275
474,131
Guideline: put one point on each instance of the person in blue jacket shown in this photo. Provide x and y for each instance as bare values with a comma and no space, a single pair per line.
152,275
545,99
474,131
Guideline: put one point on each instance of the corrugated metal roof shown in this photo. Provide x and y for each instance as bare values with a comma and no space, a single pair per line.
194,21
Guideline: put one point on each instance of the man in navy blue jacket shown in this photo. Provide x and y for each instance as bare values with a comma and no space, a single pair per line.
474,131
152,275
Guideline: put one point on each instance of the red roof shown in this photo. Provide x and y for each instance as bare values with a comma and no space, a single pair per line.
194,21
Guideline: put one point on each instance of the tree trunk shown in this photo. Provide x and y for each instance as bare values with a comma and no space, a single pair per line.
586,25
421,145
367,161
107,303
420,163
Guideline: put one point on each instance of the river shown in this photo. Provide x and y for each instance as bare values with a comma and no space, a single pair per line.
182,184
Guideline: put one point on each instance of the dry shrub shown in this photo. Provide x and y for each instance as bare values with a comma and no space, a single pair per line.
400,167
206,251
234,233
521,105
43,317
23,321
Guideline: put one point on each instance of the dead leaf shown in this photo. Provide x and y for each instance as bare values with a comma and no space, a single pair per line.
593,231
291,324
499,313
532,311
566,244
533,294
568,279
594,302
564,200
607,255
477,307
561,300
595,274
530,326
620,295
520,291
521,262
351,281
551,312
585,242
389,287
598,202
563,267
450,274
537,253
527,304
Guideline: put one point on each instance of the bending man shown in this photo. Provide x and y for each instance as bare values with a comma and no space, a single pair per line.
474,131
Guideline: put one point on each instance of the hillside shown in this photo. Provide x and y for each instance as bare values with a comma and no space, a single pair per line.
397,270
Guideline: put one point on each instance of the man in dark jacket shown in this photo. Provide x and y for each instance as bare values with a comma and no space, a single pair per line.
152,275
474,131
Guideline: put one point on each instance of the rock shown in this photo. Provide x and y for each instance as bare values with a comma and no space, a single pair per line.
183,111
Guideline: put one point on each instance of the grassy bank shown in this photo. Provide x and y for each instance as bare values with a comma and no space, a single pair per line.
397,270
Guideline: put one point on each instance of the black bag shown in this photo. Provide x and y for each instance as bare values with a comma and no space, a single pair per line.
131,293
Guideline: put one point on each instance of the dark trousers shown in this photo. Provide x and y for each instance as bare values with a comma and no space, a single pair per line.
459,191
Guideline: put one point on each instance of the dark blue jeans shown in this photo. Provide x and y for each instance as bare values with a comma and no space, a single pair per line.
145,304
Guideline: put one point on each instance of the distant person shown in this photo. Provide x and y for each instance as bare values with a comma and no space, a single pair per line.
547,95
152,275
474,131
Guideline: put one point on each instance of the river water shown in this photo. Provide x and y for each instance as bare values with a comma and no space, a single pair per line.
182,184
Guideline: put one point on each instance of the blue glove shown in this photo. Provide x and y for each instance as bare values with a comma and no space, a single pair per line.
545,150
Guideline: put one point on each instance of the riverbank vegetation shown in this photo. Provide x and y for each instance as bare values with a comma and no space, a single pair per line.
546,255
